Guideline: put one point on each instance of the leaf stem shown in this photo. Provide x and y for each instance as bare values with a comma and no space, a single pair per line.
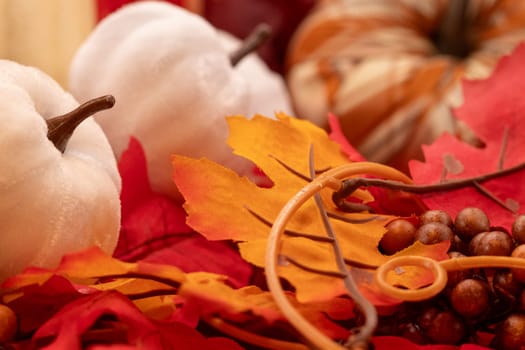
329,273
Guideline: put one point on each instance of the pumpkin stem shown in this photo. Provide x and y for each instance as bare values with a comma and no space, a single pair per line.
252,42
60,129
452,36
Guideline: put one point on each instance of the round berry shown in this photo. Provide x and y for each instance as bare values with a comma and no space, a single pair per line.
518,229
519,252
458,245
399,235
505,285
443,326
470,298
435,216
412,332
434,232
469,222
510,335
521,301
8,323
497,243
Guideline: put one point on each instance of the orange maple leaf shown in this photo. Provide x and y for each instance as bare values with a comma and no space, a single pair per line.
222,205
160,291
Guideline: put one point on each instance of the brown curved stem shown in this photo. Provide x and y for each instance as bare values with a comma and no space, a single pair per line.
253,41
452,33
60,129
350,185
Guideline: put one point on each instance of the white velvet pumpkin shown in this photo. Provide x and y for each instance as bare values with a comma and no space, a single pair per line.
51,203
170,73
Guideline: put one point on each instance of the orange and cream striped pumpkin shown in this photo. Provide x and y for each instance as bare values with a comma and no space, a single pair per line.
383,68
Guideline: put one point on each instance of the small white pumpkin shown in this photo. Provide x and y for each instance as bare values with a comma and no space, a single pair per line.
171,76
52,201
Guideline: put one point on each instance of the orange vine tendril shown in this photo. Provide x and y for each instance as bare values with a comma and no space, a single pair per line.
439,269
252,338
329,179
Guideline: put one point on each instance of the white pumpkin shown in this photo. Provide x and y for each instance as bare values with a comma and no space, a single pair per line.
51,202
171,76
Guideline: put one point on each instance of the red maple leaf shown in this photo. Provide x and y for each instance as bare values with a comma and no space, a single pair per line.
111,318
493,109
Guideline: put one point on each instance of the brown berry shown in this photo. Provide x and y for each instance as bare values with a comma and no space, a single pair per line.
399,235
521,301
519,252
518,229
412,332
505,285
470,297
510,334
496,243
8,324
435,216
469,222
443,326
433,232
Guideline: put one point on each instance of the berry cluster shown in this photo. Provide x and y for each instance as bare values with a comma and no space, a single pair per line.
474,301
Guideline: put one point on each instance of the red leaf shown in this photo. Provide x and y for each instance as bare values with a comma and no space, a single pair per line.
195,253
110,317
39,302
154,228
493,109
337,135
140,204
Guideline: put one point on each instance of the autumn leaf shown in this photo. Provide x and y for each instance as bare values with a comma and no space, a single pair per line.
160,292
110,317
337,135
222,205
154,228
41,301
493,108
385,200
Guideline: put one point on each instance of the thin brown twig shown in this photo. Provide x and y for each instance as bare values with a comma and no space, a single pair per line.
329,273
365,332
503,150
350,185
287,231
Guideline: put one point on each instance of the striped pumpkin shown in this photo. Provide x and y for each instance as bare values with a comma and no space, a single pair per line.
390,69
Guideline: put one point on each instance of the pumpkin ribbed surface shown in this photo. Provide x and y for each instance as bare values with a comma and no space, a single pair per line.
378,66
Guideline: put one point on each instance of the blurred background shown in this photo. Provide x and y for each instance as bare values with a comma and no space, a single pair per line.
46,33
390,70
